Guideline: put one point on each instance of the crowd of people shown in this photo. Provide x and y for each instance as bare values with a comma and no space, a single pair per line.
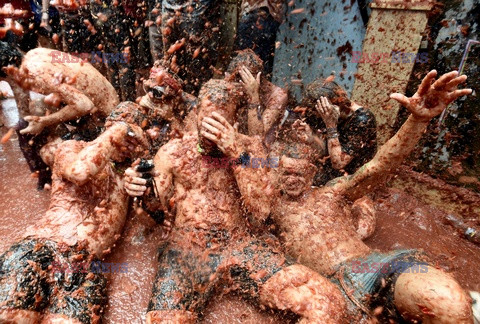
286,237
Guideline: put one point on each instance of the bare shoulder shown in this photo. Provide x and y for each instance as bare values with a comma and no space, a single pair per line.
68,150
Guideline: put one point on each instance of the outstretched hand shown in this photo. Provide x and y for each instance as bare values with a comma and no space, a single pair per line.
218,130
433,96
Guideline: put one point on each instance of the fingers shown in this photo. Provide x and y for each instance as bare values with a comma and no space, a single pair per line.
211,129
247,73
214,123
426,83
243,76
401,98
135,188
455,82
25,130
444,79
134,184
209,136
137,181
259,74
325,103
134,193
458,93
221,120
132,173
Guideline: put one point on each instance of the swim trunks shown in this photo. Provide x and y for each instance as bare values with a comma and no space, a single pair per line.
28,280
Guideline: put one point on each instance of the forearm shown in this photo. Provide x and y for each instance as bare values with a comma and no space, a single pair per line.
318,144
395,150
252,180
67,113
339,158
388,157
255,125
45,5
92,159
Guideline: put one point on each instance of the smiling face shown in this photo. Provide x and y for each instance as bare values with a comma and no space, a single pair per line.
295,176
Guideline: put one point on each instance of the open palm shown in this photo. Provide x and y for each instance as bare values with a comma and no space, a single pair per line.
433,96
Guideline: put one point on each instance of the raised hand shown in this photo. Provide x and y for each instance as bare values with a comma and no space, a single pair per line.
218,130
328,112
303,132
251,84
433,96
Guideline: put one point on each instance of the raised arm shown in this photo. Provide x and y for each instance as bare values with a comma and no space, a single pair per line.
86,164
260,125
77,105
431,98
252,182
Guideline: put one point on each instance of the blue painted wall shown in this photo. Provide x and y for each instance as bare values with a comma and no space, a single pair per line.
318,42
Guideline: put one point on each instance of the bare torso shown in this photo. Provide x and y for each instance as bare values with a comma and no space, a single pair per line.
204,198
318,229
93,213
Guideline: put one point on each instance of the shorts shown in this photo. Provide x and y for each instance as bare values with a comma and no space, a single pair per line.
370,280
28,282
197,264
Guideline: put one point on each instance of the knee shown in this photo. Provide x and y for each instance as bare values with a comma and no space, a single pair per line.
305,292
432,297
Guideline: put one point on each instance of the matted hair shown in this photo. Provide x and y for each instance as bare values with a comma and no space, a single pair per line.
248,58
130,113
325,88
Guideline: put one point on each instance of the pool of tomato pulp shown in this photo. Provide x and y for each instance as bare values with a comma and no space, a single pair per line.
402,222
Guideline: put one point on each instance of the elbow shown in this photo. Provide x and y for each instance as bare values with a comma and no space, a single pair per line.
76,175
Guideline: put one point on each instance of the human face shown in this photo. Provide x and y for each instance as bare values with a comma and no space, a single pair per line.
295,176
158,98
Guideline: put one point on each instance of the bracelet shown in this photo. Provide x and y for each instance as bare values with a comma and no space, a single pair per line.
331,130
332,135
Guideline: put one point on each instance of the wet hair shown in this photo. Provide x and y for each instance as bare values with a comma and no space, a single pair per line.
294,150
130,113
223,94
9,55
323,88
248,58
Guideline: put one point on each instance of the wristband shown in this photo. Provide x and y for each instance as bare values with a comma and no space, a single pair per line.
332,135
